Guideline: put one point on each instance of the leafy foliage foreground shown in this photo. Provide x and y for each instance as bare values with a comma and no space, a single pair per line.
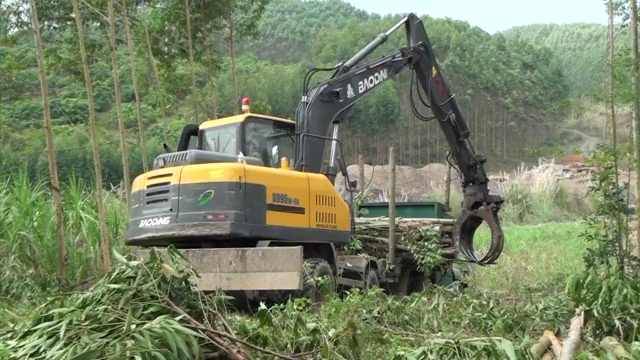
152,311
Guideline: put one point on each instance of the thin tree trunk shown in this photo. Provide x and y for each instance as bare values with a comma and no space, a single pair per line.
102,220
51,150
493,130
116,88
636,110
210,72
236,91
605,127
504,134
614,130
429,142
420,126
485,130
192,68
156,76
611,94
136,88
475,124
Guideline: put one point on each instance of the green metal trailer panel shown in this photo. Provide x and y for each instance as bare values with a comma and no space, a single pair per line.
424,209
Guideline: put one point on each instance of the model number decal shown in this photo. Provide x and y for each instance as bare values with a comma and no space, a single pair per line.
155,221
278,198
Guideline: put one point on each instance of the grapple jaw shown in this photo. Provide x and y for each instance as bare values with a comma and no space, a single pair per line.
471,217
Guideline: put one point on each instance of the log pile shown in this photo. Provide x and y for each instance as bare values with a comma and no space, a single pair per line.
373,233
549,346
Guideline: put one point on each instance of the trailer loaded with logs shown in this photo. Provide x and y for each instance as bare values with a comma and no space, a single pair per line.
374,259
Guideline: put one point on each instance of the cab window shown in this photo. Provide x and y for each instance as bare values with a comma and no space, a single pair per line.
269,140
221,139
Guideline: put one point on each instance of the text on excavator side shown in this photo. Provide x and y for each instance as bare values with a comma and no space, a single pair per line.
372,81
155,221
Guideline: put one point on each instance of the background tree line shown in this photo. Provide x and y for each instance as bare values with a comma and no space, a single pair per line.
515,87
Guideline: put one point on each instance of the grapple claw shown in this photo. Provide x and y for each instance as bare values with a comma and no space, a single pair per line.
465,229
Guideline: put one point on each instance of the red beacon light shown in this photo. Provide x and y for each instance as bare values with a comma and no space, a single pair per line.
246,104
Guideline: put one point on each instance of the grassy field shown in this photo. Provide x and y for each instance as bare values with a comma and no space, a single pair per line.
533,254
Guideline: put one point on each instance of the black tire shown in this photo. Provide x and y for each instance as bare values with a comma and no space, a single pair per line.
317,268
312,268
371,278
418,283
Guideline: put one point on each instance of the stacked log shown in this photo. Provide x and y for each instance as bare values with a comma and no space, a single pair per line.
550,347
373,234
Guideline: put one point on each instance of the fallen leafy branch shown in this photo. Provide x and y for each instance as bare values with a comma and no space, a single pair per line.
137,309
216,336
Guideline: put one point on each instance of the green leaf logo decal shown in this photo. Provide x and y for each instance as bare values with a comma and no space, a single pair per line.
205,197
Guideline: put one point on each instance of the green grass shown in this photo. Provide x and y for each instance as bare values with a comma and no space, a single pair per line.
28,248
533,254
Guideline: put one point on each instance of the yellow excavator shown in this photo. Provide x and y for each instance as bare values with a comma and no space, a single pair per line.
250,199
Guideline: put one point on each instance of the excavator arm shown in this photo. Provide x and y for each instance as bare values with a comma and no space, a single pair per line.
325,104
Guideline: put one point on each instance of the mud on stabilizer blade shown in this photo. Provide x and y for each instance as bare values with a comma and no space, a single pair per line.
465,229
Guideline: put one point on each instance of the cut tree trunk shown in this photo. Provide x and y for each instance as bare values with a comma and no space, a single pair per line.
573,340
612,345
556,346
373,233
540,348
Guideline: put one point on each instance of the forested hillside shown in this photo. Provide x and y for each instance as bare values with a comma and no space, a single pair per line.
514,89
579,48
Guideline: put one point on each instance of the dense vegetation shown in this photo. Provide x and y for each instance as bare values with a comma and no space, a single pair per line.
579,48
514,90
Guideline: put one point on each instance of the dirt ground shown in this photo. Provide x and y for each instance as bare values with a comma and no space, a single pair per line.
419,184
412,184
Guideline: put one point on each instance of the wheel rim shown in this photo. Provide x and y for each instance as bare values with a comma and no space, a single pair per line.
371,279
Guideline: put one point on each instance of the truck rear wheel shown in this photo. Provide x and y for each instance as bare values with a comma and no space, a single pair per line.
418,283
317,268
371,278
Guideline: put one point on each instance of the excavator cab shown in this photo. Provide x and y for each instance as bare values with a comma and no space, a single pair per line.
251,138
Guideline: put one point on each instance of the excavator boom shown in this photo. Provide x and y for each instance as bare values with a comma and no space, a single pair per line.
324,106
